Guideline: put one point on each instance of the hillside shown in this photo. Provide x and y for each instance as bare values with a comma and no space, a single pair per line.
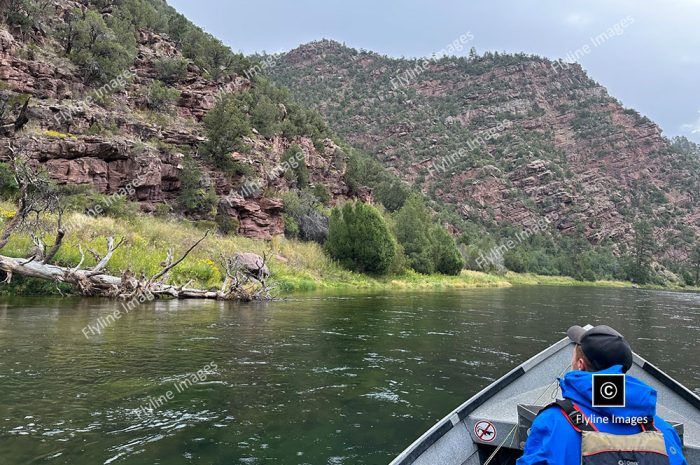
118,93
500,142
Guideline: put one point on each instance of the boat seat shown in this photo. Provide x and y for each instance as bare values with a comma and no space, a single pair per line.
527,414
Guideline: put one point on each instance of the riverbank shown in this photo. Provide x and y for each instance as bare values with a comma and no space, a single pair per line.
295,266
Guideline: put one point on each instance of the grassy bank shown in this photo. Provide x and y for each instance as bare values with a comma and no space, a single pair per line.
295,266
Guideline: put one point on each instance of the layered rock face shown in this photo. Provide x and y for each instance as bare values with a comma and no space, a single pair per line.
135,150
505,139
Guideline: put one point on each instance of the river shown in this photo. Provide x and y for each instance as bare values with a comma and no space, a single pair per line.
319,379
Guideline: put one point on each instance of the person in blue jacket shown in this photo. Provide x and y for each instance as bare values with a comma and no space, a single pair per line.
553,440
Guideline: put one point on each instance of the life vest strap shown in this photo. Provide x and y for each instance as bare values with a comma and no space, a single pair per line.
580,423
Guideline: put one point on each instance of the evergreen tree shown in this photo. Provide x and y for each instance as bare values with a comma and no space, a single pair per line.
413,225
445,254
695,263
639,264
226,124
100,52
359,238
266,116
428,246
197,195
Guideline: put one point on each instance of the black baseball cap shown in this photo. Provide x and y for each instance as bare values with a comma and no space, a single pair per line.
602,346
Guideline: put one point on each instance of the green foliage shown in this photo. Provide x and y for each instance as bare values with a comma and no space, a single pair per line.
227,224
171,70
197,195
445,254
413,227
392,193
226,124
24,15
81,198
358,237
291,227
266,116
304,217
8,184
322,193
207,52
294,157
638,264
695,265
364,171
100,52
161,97
428,246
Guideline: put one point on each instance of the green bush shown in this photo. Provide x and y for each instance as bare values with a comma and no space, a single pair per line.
161,97
100,53
428,246
81,198
392,193
304,217
171,70
197,195
25,15
8,184
266,116
294,158
445,254
322,193
413,226
358,237
291,227
226,124
227,224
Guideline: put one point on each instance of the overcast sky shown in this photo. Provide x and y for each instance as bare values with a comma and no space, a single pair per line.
653,65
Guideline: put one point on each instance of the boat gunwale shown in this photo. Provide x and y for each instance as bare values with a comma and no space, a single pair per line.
459,414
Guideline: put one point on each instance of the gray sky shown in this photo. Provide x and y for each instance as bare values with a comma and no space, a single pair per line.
652,65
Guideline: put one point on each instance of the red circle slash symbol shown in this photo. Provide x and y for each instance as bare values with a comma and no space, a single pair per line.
485,431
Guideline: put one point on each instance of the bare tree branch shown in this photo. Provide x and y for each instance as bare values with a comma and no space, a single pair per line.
170,266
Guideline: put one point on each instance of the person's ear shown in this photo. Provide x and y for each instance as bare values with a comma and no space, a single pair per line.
580,365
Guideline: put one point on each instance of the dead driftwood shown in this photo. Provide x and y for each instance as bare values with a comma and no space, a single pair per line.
35,197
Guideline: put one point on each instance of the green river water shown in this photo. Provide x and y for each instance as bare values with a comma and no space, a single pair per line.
320,379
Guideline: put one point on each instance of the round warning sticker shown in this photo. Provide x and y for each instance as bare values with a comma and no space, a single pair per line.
485,431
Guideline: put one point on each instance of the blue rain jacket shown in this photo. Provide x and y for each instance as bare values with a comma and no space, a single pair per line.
554,441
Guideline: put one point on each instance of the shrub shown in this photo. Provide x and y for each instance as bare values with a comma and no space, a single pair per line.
8,184
95,48
171,70
291,227
303,217
322,193
413,225
445,254
227,224
226,124
161,97
392,193
197,195
428,246
358,237
266,116
23,14
294,158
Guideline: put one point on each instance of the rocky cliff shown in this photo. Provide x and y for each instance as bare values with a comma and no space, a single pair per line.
108,138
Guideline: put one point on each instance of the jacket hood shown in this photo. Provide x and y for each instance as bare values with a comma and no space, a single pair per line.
640,399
